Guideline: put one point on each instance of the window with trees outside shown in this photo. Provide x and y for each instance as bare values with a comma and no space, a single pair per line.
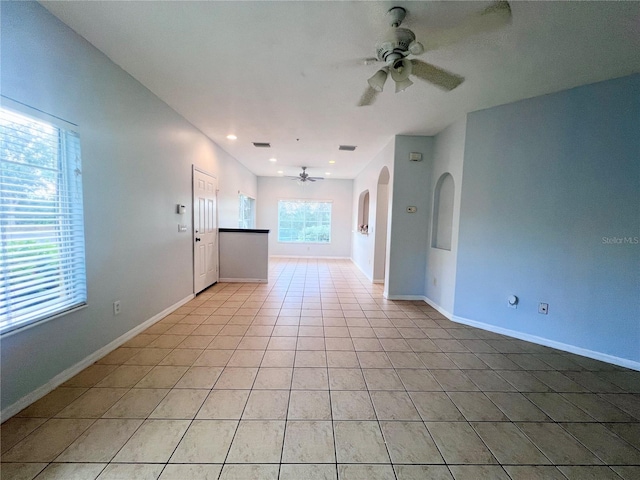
42,239
304,221
247,215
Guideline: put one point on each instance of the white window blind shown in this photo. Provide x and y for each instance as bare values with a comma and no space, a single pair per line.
304,221
42,230
247,214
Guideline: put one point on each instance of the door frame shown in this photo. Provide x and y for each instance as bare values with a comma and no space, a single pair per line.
195,169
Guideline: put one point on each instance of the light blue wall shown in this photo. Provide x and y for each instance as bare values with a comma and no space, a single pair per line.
545,180
440,276
137,155
408,238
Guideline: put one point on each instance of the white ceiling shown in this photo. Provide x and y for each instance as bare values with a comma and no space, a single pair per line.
290,73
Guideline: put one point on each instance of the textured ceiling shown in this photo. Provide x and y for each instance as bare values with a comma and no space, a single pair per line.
290,73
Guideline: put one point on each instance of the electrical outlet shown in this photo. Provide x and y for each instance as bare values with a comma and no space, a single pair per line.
116,307
543,308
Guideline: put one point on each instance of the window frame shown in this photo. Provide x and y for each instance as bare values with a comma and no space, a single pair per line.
241,211
69,204
306,201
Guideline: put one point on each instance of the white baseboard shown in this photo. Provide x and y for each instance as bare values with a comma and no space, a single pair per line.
405,297
440,310
565,347
604,357
362,271
70,372
243,280
377,281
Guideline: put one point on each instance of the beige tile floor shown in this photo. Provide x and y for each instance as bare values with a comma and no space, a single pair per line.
315,376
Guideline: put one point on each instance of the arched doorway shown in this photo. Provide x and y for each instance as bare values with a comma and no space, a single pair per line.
382,219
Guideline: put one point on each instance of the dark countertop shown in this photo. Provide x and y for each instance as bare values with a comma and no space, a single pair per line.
242,230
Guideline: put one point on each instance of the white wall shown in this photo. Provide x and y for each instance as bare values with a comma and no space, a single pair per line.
340,192
234,178
381,232
440,276
137,157
363,250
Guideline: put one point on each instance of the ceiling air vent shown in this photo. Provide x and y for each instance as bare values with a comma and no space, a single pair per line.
348,148
261,144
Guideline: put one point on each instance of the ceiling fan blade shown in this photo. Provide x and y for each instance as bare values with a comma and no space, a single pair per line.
432,74
309,179
316,178
368,97
491,18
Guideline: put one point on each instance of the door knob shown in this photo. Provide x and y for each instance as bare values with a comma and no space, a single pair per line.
197,239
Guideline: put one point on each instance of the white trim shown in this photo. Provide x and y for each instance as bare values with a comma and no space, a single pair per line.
194,167
24,109
310,257
604,357
405,297
240,192
70,372
380,281
440,310
362,271
242,280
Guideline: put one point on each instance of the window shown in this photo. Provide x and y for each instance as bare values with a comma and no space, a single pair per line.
246,217
42,235
304,221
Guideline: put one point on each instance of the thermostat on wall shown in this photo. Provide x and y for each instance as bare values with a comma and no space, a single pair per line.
415,156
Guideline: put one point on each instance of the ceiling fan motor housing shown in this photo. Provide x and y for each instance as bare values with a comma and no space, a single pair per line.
395,45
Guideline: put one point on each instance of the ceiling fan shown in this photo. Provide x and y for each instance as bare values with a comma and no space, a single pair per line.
304,177
396,46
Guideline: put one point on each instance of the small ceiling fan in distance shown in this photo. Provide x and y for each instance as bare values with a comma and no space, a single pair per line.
399,43
304,177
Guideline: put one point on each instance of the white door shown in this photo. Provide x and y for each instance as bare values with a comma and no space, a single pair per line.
205,231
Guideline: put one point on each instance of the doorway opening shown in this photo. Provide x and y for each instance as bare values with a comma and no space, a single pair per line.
205,230
382,218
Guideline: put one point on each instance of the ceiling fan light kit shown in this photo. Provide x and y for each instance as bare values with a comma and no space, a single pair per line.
402,85
399,42
378,79
303,178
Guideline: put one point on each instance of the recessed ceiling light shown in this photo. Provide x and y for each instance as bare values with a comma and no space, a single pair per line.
273,159
231,136
327,173
332,161
280,172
